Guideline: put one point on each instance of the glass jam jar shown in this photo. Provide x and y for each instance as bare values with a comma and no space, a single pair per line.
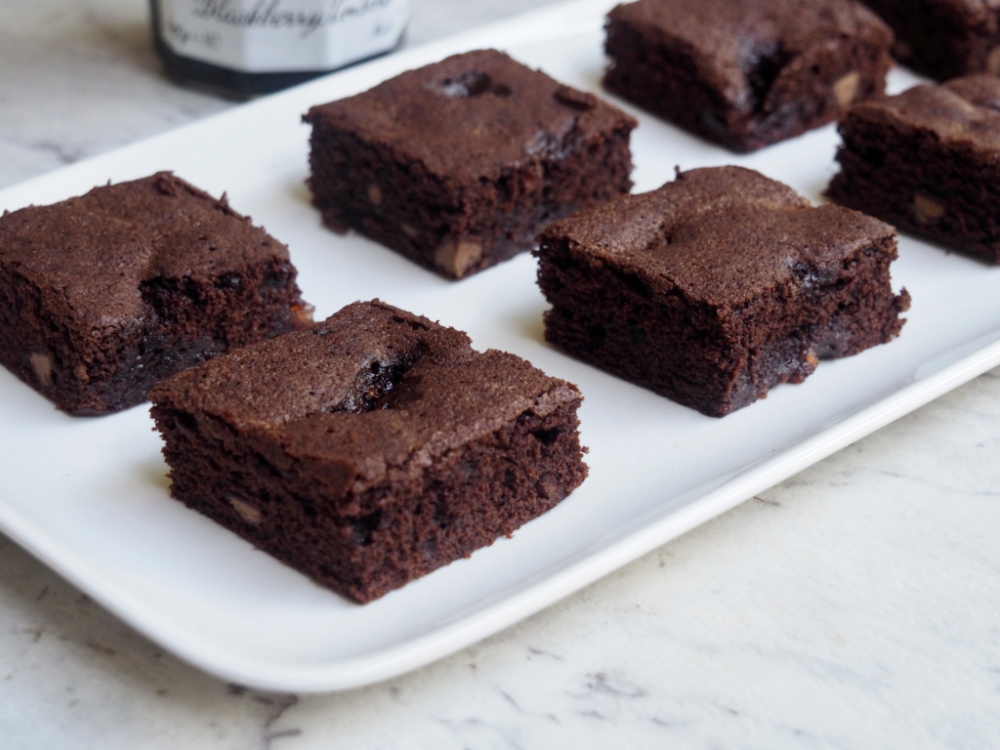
247,47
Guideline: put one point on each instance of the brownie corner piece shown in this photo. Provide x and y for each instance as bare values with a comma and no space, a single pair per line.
927,160
718,286
944,38
372,449
746,73
105,294
458,164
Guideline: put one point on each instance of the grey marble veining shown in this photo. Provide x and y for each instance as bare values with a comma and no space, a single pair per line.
853,606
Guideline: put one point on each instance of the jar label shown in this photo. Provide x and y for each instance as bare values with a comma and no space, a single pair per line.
270,36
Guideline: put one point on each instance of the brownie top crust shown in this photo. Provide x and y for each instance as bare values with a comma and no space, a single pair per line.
95,251
374,392
472,115
962,111
720,235
736,45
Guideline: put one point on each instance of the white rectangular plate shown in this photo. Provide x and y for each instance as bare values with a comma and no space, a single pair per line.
90,496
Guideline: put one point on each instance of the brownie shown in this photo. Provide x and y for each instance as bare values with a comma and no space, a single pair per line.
944,38
103,295
372,449
746,73
928,161
458,164
717,286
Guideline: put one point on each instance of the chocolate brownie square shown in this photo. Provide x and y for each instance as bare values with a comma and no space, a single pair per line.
458,164
103,295
746,73
944,38
717,286
928,161
372,449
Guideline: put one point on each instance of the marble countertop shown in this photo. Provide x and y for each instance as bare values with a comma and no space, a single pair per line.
852,606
